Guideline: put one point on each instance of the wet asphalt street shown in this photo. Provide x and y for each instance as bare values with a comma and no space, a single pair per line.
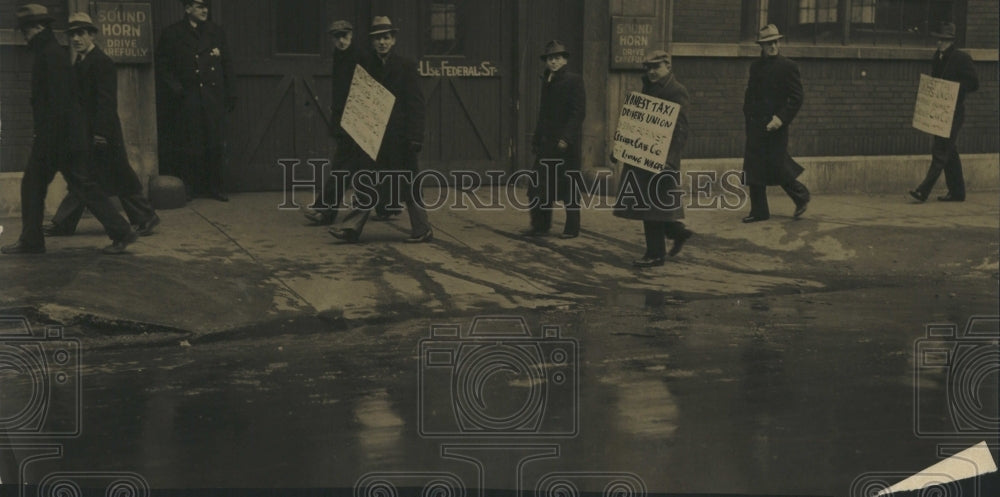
800,389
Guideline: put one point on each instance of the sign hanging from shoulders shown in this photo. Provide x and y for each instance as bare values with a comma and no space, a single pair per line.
366,112
125,31
935,108
645,130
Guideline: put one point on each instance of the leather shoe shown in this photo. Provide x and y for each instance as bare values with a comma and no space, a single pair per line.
951,198
648,262
147,228
567,236
21,248
118,246
56,230
754,219
348,235
533,232
426,237
800,210
221,197
679,242
919,197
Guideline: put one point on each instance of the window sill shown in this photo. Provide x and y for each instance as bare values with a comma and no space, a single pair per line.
751,50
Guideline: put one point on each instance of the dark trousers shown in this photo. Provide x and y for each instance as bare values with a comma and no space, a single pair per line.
758,197
411,199
81,182
137,208
541,219
944,157
333,189
656,234
419,224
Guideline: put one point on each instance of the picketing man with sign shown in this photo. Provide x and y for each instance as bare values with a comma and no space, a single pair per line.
557,143
346,155
197,88
64,141
655,197
773,98
404,133
950,64
97,132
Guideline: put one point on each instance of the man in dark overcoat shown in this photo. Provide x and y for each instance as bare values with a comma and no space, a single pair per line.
773,98
197,88
404,133
54,108
655,198
951,64
347,153
557,143
95,91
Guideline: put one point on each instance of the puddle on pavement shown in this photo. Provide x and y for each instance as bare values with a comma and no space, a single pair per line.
689,396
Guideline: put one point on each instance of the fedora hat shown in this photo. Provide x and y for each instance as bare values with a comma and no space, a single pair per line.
340,27
32,13
656,56
945,32
769,33
554,47
381,24
206,3
79,21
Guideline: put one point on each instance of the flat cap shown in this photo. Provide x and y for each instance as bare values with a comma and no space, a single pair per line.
340,26
656,56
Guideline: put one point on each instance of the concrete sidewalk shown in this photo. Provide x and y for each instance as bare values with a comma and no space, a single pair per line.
214,267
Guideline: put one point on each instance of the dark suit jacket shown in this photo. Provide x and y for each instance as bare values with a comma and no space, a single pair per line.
560,113
95,113
956,65
50,99
773,89
406,123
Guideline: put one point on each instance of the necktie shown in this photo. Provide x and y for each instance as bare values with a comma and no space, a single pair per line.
79,58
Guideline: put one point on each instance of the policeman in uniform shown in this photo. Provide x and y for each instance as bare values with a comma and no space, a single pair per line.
197,89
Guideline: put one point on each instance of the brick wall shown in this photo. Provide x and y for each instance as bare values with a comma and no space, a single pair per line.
981,24
845,112
706,21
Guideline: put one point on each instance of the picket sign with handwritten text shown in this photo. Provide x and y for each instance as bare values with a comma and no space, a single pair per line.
645,130
935,109
366,112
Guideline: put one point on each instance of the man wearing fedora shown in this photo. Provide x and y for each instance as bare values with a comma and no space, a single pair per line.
951,64
404,133
52,150
557,143
97,134
197,88
347,153
773,98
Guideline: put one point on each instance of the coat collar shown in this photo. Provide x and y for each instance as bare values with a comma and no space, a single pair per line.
556,76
